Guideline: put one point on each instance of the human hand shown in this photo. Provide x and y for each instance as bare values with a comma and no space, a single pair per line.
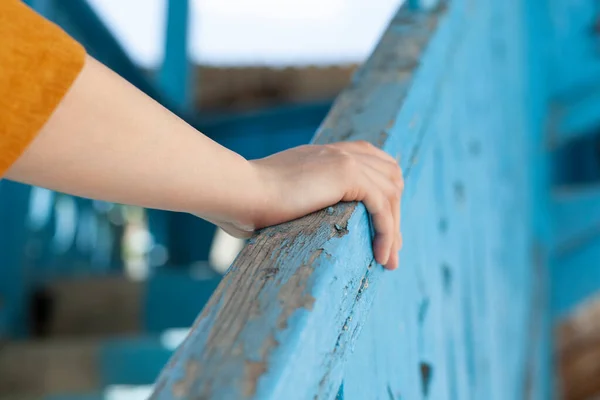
308,178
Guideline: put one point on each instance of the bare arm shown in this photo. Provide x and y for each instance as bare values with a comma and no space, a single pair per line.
109,141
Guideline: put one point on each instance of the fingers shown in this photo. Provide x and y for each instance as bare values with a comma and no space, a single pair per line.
387,221
382,198
380,190
382,193
393,262
389,168
326,174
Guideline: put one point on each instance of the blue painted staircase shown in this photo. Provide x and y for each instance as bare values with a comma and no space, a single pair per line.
510,92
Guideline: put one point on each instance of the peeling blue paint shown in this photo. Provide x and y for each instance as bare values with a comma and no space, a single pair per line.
445,92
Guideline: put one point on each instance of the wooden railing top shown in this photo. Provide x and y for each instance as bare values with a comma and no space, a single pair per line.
292,304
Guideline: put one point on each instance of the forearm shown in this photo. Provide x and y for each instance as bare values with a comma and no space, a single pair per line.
106,140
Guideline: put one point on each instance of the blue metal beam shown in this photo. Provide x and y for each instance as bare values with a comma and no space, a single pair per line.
80,20
174,76
424,4
14,277
43,7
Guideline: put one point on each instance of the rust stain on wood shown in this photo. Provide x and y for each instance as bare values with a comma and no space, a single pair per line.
294,294
181,388
269,344
236,301
252,371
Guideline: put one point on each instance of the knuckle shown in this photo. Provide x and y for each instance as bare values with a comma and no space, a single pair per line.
395,169
347,161
396,175
399,179
377,206
391,193
328,149
354,193
365,144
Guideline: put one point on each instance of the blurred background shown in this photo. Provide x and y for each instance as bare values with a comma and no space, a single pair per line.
94,297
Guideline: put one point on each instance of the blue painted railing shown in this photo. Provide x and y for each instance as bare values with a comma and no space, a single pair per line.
454,92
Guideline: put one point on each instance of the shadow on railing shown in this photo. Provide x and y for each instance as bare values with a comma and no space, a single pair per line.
305,312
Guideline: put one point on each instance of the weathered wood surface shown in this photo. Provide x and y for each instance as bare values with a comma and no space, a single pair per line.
305,312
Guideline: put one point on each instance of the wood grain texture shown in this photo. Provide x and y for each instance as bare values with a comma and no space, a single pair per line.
295,298
470,313
304,308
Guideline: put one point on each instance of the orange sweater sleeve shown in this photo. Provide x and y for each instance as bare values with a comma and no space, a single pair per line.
38,64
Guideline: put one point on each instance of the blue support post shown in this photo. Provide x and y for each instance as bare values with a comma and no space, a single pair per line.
80,20
423,4
14,286
174,77
43,7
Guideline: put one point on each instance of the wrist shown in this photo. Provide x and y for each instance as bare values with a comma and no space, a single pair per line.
260,193
240,198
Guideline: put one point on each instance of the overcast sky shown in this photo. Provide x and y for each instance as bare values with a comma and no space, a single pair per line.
273,32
